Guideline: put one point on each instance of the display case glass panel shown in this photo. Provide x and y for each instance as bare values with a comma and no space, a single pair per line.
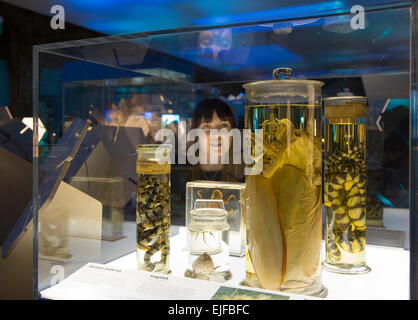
99,98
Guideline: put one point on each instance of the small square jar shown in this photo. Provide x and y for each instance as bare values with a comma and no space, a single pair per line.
232,195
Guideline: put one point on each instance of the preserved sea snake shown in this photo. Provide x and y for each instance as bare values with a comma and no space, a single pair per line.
345,194
153,219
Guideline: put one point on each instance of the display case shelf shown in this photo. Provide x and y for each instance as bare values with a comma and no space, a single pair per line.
372,286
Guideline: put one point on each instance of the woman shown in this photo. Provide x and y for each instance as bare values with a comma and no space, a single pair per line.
216,114
209,114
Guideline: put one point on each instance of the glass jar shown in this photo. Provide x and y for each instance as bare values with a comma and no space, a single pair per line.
284,214
208,241
153,207
345,183
233,196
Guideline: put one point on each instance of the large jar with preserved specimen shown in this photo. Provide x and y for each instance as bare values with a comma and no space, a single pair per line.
153,207
345,183
284,213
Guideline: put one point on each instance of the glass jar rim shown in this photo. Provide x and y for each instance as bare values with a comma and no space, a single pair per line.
286,82
151,146
215,213
333,99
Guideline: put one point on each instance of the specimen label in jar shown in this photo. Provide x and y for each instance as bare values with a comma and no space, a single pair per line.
151,167
153,216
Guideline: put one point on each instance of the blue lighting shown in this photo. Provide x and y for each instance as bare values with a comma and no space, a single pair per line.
272,14
239,51
394,103
107,116
386,202
133,16
148,116
384,34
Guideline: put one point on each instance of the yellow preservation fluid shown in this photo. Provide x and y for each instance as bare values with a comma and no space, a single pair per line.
345,184
153,208
284,215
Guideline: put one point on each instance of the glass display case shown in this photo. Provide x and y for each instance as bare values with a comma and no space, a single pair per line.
100,98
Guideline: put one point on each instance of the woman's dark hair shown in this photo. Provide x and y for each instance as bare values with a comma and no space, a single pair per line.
204,112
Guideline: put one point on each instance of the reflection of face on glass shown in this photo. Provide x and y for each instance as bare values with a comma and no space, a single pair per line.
214,142
215,40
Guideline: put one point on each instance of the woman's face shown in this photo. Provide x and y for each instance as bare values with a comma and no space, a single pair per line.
215,142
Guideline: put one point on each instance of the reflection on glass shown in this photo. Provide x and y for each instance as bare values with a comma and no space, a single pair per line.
212,42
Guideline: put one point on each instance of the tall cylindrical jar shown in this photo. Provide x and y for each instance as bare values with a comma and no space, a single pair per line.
345,183
153,169
284,213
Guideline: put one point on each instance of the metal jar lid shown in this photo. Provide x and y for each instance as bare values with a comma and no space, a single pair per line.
343,98
153,152
345,105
